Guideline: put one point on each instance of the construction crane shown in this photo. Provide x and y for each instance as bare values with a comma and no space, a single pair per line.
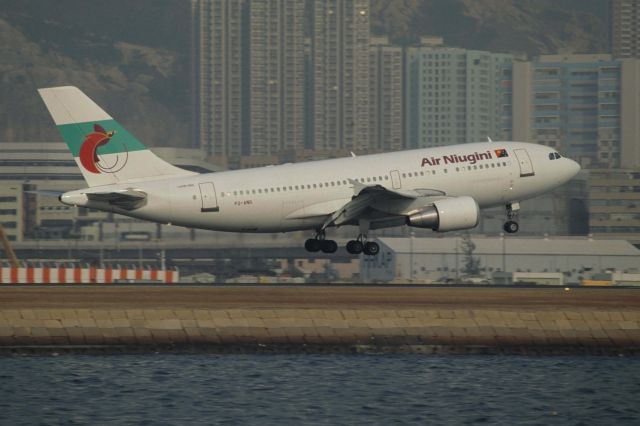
13,260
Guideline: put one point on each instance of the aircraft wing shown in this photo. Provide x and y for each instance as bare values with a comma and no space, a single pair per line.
127,199
369,199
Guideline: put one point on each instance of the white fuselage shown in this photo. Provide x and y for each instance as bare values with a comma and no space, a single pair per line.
300,196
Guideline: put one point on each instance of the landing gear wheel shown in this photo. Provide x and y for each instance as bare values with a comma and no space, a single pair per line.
511,227
371,248
312,245
355,247
328,246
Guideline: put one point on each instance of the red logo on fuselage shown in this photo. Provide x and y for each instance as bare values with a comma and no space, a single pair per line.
89,148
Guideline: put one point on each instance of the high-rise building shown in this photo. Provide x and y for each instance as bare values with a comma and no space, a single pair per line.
340,74
614,203
386,109
586,106
625,25
277,31
221,66
454,95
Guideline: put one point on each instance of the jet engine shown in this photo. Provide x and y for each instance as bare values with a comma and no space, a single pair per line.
449,214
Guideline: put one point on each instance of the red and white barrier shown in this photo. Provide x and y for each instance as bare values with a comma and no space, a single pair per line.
73,274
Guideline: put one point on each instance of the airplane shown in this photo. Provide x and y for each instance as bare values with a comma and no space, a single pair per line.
441,188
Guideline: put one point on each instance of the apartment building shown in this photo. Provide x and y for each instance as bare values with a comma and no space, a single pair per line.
454,95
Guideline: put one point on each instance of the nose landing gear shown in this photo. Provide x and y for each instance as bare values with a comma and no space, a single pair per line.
511,225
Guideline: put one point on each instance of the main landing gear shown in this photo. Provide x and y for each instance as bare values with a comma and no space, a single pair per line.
360,245
320,243
511,226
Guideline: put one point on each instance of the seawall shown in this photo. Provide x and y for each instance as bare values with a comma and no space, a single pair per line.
322,318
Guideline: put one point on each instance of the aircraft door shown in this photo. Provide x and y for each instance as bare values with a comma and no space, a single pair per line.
526,166
395,179
208,197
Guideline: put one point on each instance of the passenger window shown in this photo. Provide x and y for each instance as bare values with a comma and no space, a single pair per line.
290,188
235,192
504,163
315,186
278,189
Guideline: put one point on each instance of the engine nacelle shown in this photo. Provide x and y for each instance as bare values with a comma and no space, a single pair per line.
449,214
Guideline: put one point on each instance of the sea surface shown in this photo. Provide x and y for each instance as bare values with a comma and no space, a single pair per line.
261,389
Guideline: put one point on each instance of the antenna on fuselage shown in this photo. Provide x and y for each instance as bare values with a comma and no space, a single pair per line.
352,154
489,139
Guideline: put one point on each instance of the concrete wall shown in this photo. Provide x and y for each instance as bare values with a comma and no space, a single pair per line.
508,327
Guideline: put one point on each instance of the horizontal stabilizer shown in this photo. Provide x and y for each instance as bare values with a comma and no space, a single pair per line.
128,199
45,192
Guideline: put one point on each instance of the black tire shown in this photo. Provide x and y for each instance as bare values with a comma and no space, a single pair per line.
328,246
312,245
511,227
371,248
354,247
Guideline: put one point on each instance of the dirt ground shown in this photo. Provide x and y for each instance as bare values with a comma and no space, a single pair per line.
182,297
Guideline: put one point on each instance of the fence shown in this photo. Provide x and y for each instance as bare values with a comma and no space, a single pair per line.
74,274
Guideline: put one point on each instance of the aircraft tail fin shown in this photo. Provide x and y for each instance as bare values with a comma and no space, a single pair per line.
105,152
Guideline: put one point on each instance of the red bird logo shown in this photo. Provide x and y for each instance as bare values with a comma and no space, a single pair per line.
89,148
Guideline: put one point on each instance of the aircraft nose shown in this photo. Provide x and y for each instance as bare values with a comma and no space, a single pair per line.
574,167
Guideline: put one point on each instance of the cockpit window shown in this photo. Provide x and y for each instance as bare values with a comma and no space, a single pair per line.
557,155
554,156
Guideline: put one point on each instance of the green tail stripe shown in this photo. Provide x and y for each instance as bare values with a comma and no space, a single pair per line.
122,141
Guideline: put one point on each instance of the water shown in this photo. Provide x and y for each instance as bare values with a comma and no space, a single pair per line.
172,389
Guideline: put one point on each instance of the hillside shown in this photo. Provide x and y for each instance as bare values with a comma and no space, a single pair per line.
133,57
524,26
134,64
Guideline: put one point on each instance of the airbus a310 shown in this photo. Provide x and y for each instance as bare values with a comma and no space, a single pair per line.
438,188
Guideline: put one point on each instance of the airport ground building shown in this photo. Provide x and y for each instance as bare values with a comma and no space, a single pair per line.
440,259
